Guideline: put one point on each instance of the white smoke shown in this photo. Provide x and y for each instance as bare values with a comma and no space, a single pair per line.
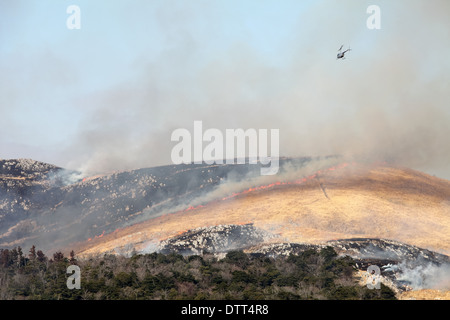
150,247
425,276
65,177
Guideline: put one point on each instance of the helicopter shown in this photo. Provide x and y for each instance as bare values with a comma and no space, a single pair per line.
340,54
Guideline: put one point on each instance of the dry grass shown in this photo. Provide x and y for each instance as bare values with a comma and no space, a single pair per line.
379,202
425,294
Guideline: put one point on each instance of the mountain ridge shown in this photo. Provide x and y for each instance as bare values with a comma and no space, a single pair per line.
378,213
328,200
60,205
366,203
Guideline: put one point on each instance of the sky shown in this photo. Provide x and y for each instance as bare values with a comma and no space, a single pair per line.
107,96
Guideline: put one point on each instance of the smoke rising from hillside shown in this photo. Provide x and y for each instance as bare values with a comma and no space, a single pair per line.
388,100
426,276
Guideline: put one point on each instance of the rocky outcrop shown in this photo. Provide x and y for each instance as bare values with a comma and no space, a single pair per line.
402,267
385,249
215,239
223,238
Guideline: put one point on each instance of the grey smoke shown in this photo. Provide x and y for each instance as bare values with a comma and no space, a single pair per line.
425,276
64,177
387,101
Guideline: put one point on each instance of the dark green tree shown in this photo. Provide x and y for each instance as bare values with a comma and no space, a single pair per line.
32,255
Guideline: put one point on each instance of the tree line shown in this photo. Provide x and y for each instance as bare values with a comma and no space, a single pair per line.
238,276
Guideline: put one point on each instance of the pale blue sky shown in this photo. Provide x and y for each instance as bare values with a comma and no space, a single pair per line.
107,96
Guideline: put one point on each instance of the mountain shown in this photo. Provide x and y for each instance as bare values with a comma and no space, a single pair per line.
51,207
392,216
346,200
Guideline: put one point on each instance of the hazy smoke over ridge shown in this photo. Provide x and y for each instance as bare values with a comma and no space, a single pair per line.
388,100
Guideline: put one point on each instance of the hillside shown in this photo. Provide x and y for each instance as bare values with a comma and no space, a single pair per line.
48,206
394,217
353,201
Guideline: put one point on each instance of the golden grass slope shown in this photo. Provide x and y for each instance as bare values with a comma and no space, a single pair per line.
356,201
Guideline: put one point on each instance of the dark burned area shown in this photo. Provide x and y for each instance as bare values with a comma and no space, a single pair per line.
44,205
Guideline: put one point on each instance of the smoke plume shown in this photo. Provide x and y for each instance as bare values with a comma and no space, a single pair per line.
108,107
426,276
387,101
